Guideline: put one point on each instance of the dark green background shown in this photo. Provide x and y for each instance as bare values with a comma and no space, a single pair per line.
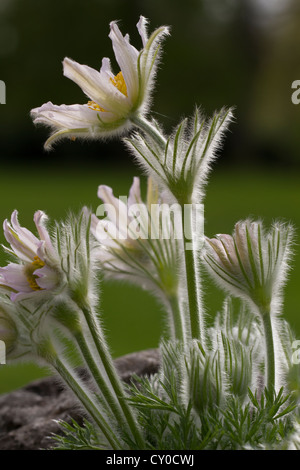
220,52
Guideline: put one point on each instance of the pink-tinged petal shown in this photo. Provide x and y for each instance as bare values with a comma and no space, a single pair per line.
39,220
135,192
42,252
47,278
242,247
115,208
22,241
22,252
228,245
27,238
75,116
219,253
13,275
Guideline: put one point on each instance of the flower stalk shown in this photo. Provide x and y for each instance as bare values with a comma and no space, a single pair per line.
252,264
46,350
192,276
87,401
177,319
111,372
192,273
149,129
270,352
104,389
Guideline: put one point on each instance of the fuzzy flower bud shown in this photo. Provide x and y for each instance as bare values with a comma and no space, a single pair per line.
182,162
251,263
205,383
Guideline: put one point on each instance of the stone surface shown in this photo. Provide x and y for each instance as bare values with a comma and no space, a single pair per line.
28,415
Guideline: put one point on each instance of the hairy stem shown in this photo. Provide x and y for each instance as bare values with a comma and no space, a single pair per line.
270,353
75,384
105,391
111,372
150,130
178,321
192,274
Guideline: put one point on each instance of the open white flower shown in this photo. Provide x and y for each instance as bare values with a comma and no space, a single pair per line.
36,268
113,99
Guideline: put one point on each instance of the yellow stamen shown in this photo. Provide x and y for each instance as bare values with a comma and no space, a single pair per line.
29,272
119,82
95,107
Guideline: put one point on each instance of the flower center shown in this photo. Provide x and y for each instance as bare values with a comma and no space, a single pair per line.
119,82
29,272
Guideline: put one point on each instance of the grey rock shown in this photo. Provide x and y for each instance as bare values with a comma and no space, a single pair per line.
29,415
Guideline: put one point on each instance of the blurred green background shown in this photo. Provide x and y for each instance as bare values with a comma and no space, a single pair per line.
241,53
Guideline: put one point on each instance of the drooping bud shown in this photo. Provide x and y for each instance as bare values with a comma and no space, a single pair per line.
251,263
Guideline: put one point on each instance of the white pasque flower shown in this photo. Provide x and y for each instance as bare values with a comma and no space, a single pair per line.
136,239
114,99
251,263
36,268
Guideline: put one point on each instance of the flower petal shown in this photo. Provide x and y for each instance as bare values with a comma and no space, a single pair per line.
115,208
39,219
97,86
127,56
135,193
13,276
75,116
141,26
22,241
107,234
47,278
